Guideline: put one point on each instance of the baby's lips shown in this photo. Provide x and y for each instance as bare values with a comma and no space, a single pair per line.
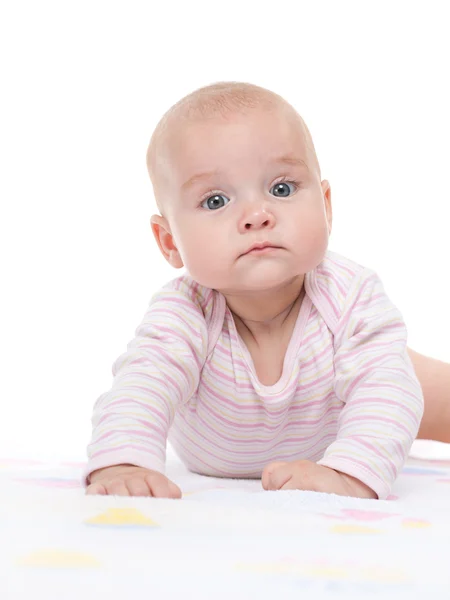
260,247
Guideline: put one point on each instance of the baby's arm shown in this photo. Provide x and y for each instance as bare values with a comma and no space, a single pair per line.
375,379
160,370
382,402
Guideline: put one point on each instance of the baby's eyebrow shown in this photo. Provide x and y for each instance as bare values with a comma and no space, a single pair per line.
199,177
291,160
288,159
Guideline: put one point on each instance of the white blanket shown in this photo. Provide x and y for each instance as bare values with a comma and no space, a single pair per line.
224,539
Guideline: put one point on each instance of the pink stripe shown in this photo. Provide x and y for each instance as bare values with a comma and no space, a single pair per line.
136,447
352,352
385,401
138,433
339,265
240,426
172,333
390,386
375,450
330,302
377,419
336,282
160,378
366,372
132,403
325,352
317,335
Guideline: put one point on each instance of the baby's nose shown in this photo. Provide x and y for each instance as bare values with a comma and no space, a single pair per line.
259,219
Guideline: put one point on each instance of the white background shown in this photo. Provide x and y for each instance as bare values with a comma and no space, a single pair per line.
84,84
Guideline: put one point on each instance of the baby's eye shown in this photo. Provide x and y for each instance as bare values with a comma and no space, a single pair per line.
282,190
215,202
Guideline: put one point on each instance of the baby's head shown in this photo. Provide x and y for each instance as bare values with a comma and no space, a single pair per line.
233,165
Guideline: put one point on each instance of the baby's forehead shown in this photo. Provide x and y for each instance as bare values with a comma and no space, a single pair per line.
268,127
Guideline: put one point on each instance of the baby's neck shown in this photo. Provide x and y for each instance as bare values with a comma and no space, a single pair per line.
266,313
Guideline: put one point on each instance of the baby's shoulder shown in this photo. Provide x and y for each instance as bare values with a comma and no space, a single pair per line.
332,281
185,294
337,272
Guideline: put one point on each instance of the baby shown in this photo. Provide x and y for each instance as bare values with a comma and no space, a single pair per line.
272,357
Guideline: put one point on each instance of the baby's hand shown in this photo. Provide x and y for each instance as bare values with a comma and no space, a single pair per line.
307,475
129,480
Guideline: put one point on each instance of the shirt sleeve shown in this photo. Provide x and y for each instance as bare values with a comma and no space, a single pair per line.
160,370
375,379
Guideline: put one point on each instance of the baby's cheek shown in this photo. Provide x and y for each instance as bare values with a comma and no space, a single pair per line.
205,259
312,239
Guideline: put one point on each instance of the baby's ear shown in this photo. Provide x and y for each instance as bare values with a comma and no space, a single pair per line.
326,190
165,241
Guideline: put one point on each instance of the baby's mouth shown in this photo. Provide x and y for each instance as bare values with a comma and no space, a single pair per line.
261,248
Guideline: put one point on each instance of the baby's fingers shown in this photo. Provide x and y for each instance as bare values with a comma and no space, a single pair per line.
276,475
116,487
96,489
161,487
137,486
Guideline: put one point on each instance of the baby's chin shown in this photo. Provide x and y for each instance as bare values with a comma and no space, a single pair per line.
255,283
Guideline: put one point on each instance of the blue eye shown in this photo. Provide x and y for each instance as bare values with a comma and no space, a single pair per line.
215,202
281,189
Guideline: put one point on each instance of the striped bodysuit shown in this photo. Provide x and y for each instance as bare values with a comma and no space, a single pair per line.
348,397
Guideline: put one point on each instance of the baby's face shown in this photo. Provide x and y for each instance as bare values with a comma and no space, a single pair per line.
248,180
